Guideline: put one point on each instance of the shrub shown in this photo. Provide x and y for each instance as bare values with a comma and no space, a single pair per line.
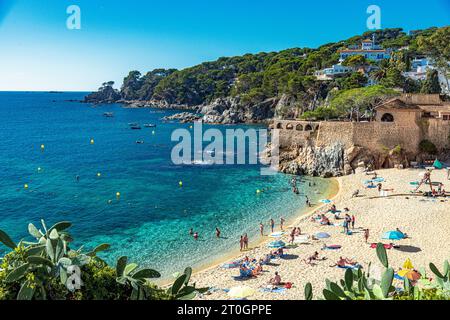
427,146
50,269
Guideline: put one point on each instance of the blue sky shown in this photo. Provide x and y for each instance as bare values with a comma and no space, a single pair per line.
38,52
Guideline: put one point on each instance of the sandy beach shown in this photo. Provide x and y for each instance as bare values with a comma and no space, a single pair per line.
425,220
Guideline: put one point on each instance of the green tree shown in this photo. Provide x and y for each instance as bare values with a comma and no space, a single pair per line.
437,46
431,83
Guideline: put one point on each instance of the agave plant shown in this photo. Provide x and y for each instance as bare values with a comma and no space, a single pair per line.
48,257
181,290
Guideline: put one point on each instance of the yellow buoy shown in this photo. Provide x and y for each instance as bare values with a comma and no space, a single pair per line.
92,141
39,169
190,127
25,186
118,194
42,147
258,191
153,132
180,183
99,174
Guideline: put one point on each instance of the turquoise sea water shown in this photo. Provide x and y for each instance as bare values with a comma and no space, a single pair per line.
150,222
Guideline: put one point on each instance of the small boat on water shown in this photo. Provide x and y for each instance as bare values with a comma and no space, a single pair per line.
108,114
150,125
137,127
140,141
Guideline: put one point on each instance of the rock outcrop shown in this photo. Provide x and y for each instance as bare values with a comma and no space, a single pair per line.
233,110
106,94
183,117
313,161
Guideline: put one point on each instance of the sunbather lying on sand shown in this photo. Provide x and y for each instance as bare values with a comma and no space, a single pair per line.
314,257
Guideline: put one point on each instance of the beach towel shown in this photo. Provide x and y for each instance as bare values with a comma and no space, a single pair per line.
275,290
332,247
231,265
386,246
356,266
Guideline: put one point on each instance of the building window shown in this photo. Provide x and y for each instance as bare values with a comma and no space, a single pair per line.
308,128
289,126
446,117
387,117
279,125
299,127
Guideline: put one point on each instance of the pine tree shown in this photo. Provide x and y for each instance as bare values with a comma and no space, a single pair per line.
431,84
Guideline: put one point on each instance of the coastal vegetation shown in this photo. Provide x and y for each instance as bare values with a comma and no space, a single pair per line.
359,285
50,269
255,78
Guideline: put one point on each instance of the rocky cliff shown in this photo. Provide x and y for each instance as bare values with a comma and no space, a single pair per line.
335,160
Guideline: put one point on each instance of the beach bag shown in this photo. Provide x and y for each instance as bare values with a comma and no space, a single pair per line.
288,285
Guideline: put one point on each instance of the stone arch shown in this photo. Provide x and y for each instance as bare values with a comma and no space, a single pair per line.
289,126
387,117
279,125
308,127
299,127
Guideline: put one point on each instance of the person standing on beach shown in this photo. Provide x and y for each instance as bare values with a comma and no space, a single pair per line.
217,232
245,242
353,221
272,224
261,228
241,243
282,223
366,234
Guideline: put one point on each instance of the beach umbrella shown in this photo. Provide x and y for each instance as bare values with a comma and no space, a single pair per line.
277,234
408,264
413,275
393,235
325,201
322,235
437,164
277,244
241,292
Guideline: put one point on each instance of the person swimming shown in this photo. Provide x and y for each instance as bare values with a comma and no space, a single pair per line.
217,232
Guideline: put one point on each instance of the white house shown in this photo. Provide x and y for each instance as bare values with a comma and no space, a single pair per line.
368,49
335,71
